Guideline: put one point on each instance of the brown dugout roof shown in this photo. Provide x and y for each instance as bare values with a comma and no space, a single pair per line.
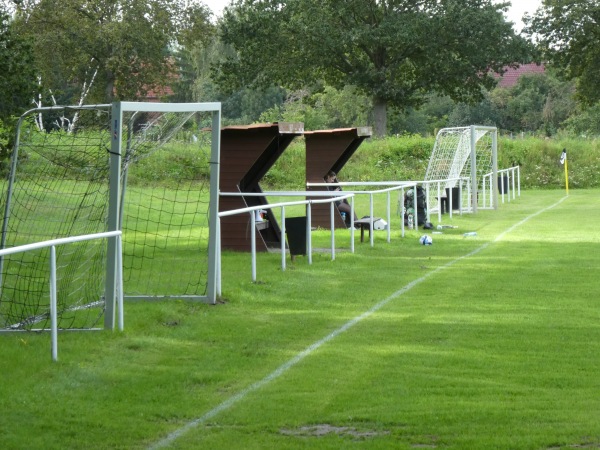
247,154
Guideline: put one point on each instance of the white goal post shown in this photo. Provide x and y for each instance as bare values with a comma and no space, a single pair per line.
462,157
150,170
121,123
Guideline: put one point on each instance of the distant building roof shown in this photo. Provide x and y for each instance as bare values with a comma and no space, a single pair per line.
158,93
511,76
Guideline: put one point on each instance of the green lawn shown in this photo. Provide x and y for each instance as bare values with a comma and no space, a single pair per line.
491,342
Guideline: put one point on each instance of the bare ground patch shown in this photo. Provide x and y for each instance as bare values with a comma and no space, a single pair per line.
325,429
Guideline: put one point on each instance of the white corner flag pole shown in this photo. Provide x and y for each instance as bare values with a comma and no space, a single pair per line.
563,160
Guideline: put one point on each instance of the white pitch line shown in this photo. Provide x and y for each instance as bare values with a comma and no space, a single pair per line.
306,352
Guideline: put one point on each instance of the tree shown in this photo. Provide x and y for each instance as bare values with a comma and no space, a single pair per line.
17,80
325,108
482,113
395,51
586,123
110,48
17,72
568,35
425,120
540,102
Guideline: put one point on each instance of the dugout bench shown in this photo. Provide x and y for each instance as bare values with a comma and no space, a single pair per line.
247,154
330,150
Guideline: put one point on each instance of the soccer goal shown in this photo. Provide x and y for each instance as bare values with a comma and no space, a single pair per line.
463,163
147,169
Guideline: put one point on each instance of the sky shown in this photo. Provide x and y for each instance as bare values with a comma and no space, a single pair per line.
516,11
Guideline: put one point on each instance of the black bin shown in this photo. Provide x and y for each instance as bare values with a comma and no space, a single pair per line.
295,228
503,184
455,192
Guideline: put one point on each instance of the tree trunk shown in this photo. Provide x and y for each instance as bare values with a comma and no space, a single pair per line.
380,117
109,89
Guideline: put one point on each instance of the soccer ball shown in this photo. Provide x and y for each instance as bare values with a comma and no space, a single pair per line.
425,240
380,225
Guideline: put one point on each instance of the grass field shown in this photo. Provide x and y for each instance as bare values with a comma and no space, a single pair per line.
488,342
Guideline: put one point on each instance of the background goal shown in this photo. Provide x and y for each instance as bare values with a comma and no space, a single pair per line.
465,159
148,169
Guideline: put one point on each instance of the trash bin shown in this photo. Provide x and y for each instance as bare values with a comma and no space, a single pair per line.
503,184
455,192
295,228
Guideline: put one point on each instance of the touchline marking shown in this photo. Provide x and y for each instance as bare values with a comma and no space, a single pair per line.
306,352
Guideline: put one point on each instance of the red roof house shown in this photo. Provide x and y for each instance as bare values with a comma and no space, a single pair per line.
511,76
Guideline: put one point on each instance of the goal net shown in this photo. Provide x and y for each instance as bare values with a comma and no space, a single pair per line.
463,160
143,168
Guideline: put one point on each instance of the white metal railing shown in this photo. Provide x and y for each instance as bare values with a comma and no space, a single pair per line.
252,210
513,182
438,186
329,197
408,184
393,186
53,294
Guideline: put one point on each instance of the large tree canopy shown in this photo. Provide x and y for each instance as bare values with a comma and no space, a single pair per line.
568,33
120,46
395,51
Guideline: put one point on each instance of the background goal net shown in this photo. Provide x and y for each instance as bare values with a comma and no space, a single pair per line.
145,169
464,159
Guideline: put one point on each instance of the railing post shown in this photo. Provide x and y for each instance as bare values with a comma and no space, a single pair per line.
331,223
371,234
401,207
460,204
352,224
120,282
283,238
219,249
416,215
501,186
389,217
439,196
513,183
484,191
53,305
449,200
253,244
308,235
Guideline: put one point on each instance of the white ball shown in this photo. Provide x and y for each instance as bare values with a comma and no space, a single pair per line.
425,240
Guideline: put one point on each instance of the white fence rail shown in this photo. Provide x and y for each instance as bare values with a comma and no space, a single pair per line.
252,211
328,197
512,175
332,196
53,243
393,186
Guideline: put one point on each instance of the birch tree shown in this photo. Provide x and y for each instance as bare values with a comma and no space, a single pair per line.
105,50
